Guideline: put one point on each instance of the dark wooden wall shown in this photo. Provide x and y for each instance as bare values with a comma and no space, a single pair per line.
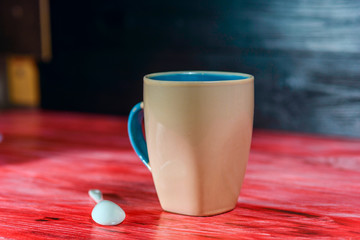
305,55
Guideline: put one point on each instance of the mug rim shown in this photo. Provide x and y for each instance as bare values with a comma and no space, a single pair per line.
249,78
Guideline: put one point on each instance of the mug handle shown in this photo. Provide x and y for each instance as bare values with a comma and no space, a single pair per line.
136,135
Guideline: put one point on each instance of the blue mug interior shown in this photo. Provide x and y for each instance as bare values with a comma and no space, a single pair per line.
196,77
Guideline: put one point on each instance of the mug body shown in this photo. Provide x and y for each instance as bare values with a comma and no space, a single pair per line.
198,128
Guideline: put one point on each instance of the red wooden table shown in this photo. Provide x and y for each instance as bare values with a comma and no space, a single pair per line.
296,186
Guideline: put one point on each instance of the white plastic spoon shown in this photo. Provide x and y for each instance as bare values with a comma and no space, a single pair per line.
105,212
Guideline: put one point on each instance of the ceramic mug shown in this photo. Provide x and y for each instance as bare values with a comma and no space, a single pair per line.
198,128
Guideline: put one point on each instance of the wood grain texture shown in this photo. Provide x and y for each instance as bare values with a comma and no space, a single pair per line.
305,55
296,186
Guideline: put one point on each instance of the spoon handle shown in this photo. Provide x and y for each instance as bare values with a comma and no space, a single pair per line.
96,195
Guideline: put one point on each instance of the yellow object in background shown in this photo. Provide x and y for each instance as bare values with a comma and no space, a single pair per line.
23,80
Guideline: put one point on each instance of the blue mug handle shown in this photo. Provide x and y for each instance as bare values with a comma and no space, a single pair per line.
136,135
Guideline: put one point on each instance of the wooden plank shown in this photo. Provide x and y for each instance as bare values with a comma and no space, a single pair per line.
305,55
296,185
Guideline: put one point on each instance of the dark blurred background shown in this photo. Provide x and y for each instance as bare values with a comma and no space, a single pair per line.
305,55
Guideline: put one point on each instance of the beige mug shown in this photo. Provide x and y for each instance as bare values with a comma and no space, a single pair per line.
198,128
